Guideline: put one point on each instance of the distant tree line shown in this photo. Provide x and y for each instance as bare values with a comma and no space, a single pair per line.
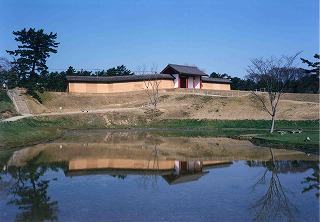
56,81
50,81
300,81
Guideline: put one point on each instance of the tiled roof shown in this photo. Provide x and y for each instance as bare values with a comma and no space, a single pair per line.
189,70
217,80
112,79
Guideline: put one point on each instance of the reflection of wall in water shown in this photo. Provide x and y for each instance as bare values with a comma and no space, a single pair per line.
188,171
118,163
182,167
173,171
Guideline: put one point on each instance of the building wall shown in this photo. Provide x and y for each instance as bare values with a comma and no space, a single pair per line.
197,82
115,87
190,82
176,80
215,86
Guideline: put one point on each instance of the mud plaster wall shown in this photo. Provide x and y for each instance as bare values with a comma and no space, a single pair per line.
115,87
216,86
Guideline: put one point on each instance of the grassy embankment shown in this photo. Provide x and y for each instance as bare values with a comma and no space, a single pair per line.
6,107
259,129
40,129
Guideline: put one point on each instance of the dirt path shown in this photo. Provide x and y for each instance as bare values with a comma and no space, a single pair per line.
111,110
19,102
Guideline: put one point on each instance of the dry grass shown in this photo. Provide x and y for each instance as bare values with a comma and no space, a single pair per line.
176,105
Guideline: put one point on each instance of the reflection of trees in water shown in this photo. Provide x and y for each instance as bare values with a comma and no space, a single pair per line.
30,192
274,205
294,166
286,166
122,177
312,181
153,167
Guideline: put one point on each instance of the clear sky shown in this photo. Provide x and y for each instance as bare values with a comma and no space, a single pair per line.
215,35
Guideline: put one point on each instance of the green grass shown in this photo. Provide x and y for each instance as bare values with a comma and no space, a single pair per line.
26,132
204,133
297,138
30,131
289,140
236,124
45,96
5,104
232,128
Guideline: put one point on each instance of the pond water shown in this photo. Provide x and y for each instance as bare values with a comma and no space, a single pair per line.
143,176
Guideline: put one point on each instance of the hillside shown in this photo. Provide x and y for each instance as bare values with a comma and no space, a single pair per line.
180,104
7,109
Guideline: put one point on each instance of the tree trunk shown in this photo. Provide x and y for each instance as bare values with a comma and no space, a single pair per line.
33,70
272,123
272,157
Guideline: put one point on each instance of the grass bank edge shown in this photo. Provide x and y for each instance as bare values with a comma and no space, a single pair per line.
236,124
306,148
36,130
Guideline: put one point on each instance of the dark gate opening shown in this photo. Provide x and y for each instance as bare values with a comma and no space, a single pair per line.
183,82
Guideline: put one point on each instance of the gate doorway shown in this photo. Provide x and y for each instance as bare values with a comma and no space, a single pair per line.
183,82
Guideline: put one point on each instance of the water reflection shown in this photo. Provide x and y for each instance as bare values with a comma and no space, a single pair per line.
152,159
29,190
312,181
89,147
173,171
274,205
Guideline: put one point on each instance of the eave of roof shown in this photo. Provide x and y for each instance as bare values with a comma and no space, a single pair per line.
183,178
216,80
186,70
114,79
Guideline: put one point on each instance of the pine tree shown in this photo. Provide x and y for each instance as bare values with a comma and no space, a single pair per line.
33,52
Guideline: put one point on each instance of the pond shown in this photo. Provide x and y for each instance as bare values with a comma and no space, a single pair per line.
144,176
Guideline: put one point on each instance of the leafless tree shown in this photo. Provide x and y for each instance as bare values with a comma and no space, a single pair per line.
141,69
151,84
9,73
274,74
5,66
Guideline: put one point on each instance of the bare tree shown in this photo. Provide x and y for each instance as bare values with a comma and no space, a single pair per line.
152,90
151,84
5,66
275,75
9,73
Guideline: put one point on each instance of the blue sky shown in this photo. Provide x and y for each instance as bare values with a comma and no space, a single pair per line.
215,35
